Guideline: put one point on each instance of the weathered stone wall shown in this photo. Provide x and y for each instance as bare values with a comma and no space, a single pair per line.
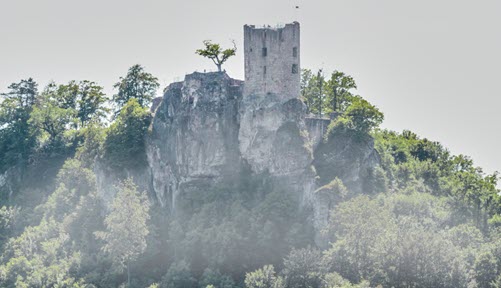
273,137
272,72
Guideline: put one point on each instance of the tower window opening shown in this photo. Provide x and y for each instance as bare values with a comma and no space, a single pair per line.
264,70
294,69
294,52
265,52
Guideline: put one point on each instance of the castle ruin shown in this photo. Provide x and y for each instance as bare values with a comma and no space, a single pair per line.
272,61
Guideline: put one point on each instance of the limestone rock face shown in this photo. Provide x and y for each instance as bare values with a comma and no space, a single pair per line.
205,132
316,130
346,157
274,139
193,143
107,180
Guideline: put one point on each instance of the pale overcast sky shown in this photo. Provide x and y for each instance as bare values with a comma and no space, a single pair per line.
432,66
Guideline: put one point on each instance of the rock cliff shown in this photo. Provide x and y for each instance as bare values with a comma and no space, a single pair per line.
273,139
204,132
194,138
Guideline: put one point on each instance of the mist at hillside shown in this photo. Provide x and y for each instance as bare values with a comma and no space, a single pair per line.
288,179
78,209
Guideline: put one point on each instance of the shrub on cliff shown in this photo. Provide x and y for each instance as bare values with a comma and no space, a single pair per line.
125,144
360,118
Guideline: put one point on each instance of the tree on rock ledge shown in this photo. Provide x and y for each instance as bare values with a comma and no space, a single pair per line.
214,52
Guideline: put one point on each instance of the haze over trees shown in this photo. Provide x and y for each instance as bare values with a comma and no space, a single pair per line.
425,217
126,226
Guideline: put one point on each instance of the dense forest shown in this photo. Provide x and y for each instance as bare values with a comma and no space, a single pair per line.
426,218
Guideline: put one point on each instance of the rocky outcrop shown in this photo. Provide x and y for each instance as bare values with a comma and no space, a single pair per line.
316,130
205,132
347,157
325,199
108,178
273,139
194,143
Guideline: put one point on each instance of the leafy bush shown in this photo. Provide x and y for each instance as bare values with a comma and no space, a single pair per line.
125,143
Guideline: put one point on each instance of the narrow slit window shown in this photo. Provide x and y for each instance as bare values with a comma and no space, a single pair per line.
264,70
294,69
294,52
265,52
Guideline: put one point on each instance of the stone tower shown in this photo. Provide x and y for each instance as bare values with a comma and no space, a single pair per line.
272,61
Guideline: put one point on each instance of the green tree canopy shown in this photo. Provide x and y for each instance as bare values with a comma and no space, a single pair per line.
61,110
338,91
360,116
86,98
22,96
125,144
126,226
326,95
91,102
264,278
137,84
53,120
303,268
312,91
45,254
17,139
215,52
179,275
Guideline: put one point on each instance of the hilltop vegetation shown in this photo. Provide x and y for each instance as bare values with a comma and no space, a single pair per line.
425,218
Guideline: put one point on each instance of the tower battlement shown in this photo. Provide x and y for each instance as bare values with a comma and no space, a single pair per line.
272,61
